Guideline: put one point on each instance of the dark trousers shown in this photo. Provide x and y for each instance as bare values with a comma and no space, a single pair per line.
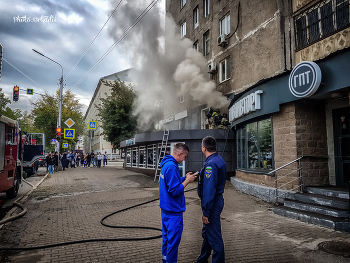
211,233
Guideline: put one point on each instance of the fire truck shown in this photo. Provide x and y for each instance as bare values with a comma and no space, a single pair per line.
17,153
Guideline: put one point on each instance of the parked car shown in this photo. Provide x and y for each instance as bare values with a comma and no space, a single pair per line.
42,162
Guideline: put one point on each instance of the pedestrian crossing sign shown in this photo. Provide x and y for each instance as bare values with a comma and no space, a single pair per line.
92,125
30,91
65,145
69,133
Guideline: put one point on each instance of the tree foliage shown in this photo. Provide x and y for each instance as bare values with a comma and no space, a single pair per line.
115,113
45,115
6,110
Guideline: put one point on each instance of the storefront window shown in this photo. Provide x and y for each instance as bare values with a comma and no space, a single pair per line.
128,157
134,157
254,146
142,156
151,158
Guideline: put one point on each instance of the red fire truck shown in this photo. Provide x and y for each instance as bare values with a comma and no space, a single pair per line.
17,153
10,157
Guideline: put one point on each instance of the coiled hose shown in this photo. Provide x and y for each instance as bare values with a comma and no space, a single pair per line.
101,239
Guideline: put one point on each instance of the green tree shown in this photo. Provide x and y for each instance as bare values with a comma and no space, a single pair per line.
6,110
45,115
115,113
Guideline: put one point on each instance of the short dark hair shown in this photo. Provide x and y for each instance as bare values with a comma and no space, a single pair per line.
209,143
181,146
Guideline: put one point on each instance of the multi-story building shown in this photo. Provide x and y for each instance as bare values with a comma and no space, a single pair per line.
285,66
95,141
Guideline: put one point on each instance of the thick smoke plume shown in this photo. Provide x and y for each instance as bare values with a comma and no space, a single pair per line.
167,65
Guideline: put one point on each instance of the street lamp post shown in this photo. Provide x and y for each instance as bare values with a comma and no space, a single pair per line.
59,104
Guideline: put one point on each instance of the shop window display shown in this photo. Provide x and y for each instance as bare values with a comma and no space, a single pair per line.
142,156
134,157
254,146
128,157
151,158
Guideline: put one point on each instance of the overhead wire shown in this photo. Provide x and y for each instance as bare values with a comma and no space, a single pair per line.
125,34
92,41
25,75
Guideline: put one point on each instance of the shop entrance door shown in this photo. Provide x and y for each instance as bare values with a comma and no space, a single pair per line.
341,122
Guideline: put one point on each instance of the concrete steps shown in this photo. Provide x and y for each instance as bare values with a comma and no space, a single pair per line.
320,206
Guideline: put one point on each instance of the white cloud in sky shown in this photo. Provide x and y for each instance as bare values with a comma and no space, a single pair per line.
69,19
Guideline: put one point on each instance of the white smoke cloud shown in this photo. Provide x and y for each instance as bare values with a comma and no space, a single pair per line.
166,65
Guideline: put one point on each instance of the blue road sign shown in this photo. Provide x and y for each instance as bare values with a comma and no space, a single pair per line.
30,91
69,133
92,125
65,145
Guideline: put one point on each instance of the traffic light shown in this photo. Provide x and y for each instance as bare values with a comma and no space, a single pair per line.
15,93
58,134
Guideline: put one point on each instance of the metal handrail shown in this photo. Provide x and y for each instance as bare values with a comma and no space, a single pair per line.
298,178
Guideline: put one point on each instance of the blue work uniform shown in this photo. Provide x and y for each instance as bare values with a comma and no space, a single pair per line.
211,186
172,203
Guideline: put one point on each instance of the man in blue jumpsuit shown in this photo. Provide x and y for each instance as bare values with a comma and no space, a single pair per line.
172,201
211,186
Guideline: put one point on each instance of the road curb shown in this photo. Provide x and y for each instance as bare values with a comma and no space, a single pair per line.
23,199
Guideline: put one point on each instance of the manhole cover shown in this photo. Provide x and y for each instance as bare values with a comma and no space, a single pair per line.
336,247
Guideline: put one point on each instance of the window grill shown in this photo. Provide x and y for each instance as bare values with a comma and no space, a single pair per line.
321,21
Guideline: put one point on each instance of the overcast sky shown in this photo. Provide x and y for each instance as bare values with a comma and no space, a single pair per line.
71,27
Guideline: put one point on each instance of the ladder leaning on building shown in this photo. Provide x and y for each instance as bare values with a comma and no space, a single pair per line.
161,153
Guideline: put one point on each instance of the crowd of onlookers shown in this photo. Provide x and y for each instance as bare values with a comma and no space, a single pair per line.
73,160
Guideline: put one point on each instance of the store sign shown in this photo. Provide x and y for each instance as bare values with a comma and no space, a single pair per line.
130,142
305,79
246,105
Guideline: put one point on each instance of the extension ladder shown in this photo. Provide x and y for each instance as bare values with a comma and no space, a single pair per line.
161,153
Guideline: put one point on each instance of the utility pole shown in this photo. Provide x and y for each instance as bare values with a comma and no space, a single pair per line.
59,105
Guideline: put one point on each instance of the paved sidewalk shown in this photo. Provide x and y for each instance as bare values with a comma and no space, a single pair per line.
69,205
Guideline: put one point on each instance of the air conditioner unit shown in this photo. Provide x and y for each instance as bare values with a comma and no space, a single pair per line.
212,67
222,40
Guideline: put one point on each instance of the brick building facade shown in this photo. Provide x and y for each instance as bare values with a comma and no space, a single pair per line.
284,67
255,46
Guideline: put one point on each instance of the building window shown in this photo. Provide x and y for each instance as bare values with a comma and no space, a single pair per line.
321,21
195,46
206,4
182,3
182,98
206,43
254,146
225,25
225,71
134,157
128,157
183,30
142,156
151,158
195,17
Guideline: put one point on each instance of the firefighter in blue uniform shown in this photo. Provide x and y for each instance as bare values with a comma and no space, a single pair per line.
172,201
211,186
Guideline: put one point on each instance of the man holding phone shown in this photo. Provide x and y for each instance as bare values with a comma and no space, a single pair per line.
172,201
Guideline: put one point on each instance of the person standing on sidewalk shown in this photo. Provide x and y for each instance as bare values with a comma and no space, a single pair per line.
56,162
104,160
211,186
64,161
172,201
88,159
92,159
51,162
